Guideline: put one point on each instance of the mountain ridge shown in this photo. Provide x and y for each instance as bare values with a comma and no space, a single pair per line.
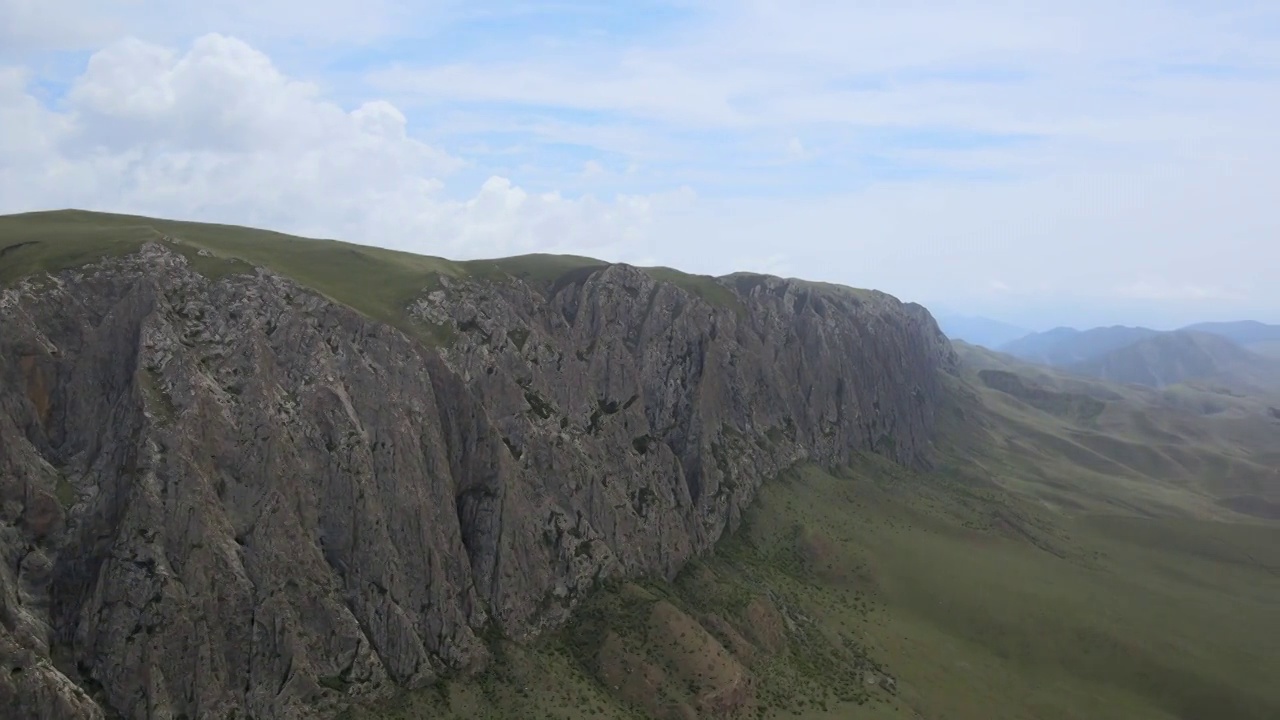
1184,356
1210,352
191,440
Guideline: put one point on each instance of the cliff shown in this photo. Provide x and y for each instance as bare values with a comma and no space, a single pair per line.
227,495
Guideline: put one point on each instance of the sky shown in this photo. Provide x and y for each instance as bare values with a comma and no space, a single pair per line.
1042,163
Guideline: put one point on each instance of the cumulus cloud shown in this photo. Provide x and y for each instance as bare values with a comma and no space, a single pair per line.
1114,154
796,150
218,132
1164,290
28,26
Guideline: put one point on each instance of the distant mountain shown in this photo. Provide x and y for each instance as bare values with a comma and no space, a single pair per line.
980,330
1241,356
1244,332
1065,346
1270,348
1259,337
1171,358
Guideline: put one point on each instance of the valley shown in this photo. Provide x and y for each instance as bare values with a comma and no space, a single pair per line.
1016,580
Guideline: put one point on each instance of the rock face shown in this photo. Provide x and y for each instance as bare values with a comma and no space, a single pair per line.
236,498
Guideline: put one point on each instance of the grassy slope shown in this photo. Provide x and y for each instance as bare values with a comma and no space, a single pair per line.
1178,451
931,582
374,281
1270,348
1035,574
1022,579
377,282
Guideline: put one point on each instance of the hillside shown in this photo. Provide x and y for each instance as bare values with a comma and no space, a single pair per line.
1184,356
1082,550
1066,346
1244,332
246,475
1183,451
1234,356
1254,336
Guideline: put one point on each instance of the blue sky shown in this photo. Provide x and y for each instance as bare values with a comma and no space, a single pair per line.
1039,162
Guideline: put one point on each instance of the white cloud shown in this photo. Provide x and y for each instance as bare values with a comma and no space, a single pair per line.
1061,240
1144,174
218,132
1164,290
796,150
27,25
40,25
768,63
30,131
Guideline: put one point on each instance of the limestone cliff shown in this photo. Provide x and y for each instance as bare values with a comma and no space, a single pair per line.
238,498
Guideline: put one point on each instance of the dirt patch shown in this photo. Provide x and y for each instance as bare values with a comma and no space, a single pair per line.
822,556
39,380
632,678
43,514
765,626
732,640
718,683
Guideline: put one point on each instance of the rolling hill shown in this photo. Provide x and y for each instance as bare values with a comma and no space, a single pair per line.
1065,346
1183,356
1258,337
1224,355
1244,332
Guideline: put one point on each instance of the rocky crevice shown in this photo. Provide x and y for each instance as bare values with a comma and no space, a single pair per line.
235,498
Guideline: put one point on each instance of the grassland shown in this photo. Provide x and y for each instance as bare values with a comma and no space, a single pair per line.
878,593
377,282
1038,572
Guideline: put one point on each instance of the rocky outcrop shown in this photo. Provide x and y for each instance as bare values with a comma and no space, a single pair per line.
236,498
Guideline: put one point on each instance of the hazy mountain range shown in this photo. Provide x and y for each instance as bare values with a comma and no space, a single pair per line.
1242,356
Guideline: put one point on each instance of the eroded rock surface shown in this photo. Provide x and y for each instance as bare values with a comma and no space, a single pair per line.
236,498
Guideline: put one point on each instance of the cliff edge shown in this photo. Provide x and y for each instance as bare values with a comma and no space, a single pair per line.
228,495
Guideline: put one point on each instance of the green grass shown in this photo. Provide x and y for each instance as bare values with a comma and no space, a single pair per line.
1065,560
988,626
376,282
537,682
1057,564
705,287
40,242
65,492
922,578
540,270
1093,447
